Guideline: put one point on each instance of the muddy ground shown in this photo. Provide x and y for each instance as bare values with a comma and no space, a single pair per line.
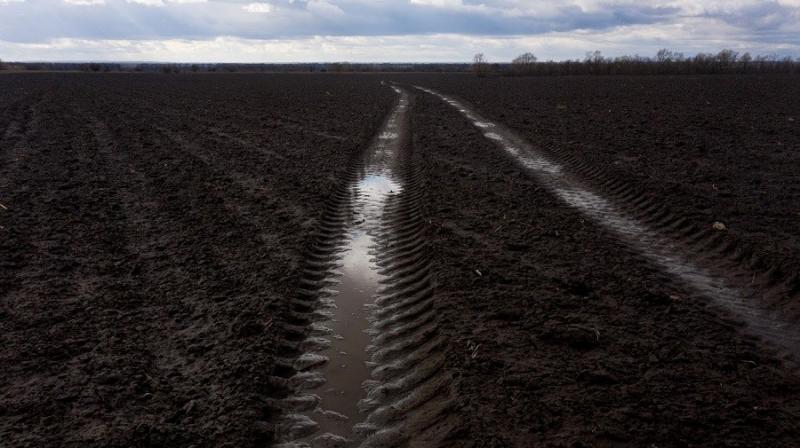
154,230
156,226
716,148
567,338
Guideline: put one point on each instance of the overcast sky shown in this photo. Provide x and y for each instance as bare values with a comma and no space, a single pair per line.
386,30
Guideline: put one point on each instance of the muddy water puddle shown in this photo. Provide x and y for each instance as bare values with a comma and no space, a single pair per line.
662,250
332,373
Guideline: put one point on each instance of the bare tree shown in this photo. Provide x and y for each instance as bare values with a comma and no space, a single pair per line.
745,60
665,56
480,65
594,57
727,58
523,64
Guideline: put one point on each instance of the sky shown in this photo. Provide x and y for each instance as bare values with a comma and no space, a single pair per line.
387,30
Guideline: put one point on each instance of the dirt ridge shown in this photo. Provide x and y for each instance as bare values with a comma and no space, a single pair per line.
411,400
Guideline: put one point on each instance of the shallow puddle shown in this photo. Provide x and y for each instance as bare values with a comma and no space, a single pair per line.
662,250
332,373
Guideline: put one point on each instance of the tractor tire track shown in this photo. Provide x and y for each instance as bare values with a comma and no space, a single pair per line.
695,256
410,399
711,247
171,253
404,395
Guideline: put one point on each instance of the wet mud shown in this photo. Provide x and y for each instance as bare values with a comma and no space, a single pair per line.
744,302
371,373
146,260
691,152
250,261
562,334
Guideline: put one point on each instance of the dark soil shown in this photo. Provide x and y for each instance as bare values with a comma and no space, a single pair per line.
716,148
153,233
154,228
561,336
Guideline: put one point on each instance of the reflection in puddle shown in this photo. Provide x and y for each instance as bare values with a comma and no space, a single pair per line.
493,136
375,186
661,250
338,352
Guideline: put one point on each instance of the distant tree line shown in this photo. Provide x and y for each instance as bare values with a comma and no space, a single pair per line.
665,62
5,65
177,68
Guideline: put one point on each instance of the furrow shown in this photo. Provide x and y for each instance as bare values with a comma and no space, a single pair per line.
369,362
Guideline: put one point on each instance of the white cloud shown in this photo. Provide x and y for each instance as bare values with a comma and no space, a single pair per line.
160,3
147,2
439,3
85,2
259,8
323,8
699,35
392,30
460,6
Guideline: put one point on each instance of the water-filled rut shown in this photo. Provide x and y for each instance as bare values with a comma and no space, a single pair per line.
665,251
369,370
